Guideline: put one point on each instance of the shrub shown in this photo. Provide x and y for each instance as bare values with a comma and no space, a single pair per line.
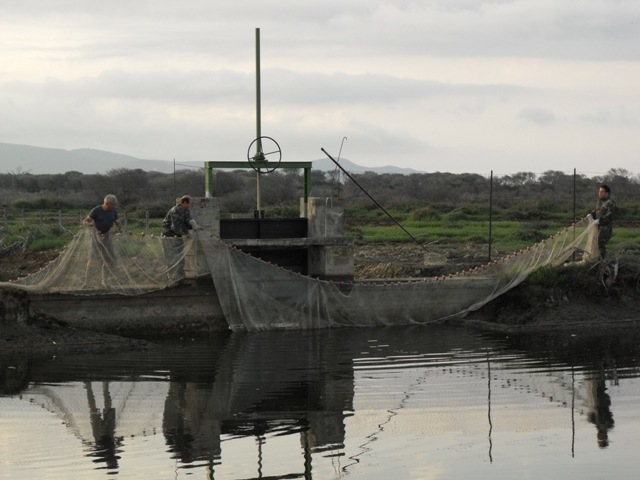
282,211
424,213
477,239
547,276
42,203
48,243
21,203
530,233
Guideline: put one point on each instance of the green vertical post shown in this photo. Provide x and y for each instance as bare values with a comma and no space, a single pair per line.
258,109
307,189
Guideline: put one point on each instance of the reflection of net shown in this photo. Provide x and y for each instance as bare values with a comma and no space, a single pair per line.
121,264
92,410
256,295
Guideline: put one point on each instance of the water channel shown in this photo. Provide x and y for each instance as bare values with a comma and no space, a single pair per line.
434,402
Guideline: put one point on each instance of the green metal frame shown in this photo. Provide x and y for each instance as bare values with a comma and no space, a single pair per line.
239,165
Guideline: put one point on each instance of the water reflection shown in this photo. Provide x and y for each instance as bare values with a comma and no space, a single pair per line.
339,393
600,407
604,357
103,426
263,383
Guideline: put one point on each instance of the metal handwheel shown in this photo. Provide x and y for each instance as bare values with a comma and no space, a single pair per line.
264,147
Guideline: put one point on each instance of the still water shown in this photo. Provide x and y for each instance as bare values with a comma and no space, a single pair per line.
432,402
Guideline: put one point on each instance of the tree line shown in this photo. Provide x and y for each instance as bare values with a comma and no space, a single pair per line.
522,194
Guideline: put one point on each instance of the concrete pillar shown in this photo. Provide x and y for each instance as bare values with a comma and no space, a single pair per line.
325,217
332,256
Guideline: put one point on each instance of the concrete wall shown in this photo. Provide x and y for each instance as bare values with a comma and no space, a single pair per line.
180,310
331,256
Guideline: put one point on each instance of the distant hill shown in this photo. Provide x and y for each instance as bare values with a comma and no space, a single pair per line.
327,165
40,160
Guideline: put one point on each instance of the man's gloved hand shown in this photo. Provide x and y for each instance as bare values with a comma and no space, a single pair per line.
597,221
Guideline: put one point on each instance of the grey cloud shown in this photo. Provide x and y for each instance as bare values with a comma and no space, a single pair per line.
340,88
611,116
537,116
225,86
169,87
591,29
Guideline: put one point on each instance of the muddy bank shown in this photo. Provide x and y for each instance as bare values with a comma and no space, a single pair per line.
572,299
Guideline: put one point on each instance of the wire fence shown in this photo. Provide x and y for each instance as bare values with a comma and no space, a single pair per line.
494,221
21,219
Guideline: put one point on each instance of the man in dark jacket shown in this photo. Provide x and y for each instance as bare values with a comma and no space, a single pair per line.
176,227
603,216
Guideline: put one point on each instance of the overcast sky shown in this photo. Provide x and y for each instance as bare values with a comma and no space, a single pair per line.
434,85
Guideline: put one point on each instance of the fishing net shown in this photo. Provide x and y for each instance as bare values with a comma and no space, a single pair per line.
123,264
256,295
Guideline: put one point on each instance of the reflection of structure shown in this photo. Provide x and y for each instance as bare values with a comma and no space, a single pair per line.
250,396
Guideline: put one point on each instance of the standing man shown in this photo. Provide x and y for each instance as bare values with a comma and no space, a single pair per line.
603,216
102,218
176,227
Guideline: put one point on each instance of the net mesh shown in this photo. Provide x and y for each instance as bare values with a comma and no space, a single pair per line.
123,264
256,295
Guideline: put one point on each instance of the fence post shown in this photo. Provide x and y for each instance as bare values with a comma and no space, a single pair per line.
573,256
574,196
146,222
490,213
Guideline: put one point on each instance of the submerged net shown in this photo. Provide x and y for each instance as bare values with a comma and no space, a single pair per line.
256,295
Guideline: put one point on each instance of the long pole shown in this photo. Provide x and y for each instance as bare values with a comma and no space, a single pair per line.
373,199
258,100
258,122
573,255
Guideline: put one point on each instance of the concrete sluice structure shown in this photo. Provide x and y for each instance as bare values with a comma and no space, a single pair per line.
264,274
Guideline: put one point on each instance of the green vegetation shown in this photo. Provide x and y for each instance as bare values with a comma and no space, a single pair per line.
547,276
467,210
506,236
